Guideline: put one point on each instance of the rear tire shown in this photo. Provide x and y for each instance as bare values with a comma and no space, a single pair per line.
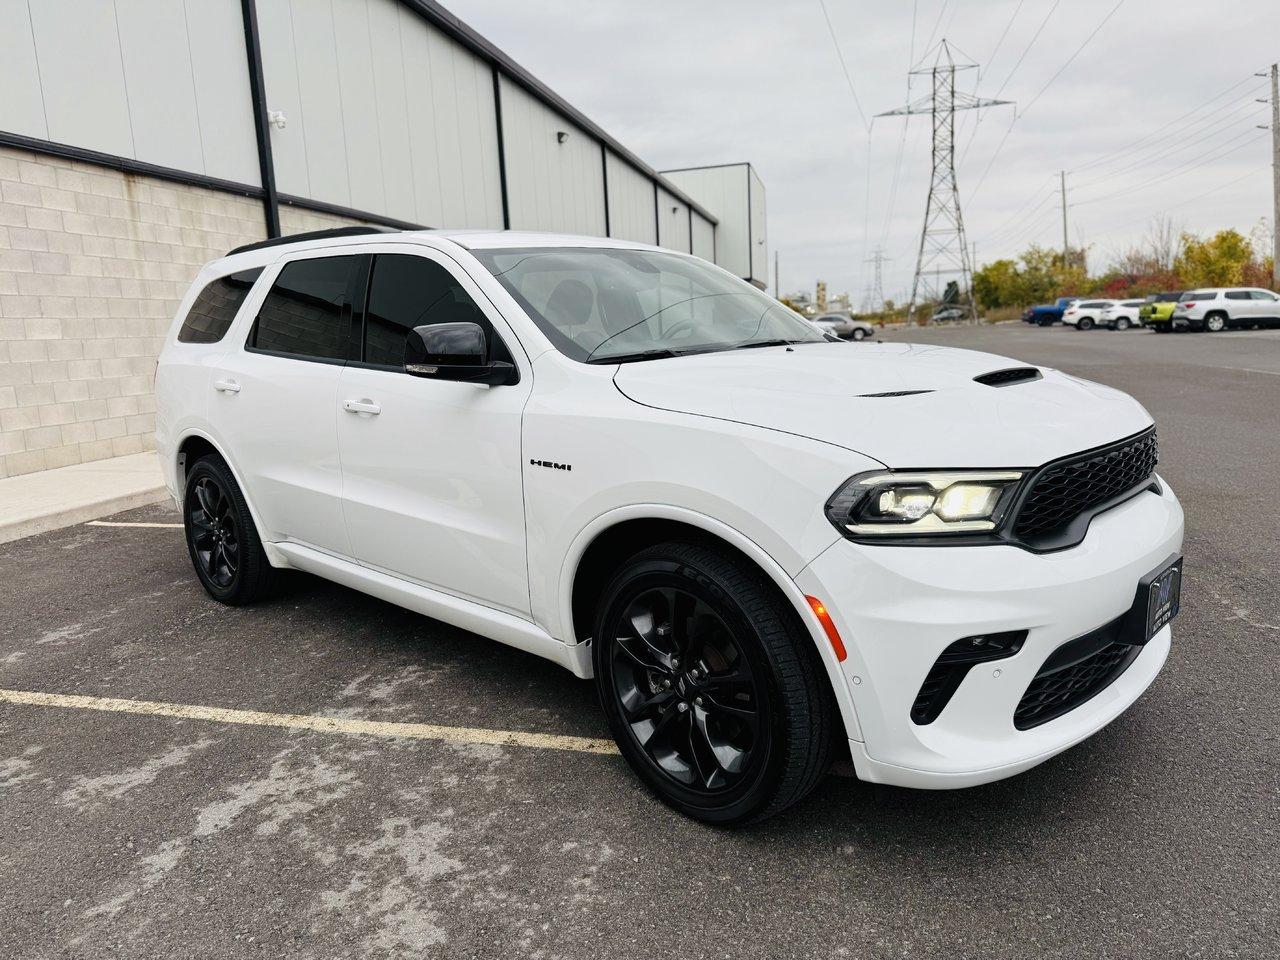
222,540
1085,323
1122,323
710,684
1215,323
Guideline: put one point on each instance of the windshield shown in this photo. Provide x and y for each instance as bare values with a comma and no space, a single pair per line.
604,306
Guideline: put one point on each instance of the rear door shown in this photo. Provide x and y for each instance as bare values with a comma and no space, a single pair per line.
432,479
273,399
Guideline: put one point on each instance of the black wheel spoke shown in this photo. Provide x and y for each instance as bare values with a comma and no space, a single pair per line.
685,688
212,528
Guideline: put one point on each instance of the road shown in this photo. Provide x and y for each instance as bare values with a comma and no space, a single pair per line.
193,833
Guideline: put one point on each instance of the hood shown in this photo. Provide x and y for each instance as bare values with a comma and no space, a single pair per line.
843,394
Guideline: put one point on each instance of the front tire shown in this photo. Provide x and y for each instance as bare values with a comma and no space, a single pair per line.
221,537
711,686
859,335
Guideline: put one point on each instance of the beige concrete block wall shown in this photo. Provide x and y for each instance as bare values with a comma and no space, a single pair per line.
93,263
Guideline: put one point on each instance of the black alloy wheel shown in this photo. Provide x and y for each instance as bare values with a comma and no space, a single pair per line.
687,691
710,685
221,537
214,538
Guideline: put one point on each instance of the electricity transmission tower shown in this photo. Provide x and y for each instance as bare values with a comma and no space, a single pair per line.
874,301
944,252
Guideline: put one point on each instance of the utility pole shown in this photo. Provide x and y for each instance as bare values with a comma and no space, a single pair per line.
943,247
1275,176
1066,250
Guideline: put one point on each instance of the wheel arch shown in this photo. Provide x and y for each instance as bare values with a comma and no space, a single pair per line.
614,536
195,443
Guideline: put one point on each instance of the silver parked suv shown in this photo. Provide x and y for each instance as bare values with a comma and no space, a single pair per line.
1226,308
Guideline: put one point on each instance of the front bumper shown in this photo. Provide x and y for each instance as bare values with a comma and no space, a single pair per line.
898,608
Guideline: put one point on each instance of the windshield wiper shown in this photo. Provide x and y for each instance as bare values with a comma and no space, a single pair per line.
659,354
765,343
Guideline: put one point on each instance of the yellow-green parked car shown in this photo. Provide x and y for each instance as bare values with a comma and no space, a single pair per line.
1156,311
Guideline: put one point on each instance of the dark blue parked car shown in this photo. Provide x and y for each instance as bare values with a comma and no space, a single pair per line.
1047,314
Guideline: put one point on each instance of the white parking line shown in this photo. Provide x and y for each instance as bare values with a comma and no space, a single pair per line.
120,523
369,728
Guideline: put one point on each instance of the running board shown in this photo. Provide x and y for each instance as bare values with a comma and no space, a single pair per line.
464,614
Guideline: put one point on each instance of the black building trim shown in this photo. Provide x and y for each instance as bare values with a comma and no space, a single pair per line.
321,206
502,147
657,218
689,210
261,126
604,172
127,165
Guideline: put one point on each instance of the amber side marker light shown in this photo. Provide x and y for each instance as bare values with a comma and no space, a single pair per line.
833,635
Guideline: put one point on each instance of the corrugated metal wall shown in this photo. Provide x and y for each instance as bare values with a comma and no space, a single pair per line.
631,207
402,124
734,194
384,114
160,81
551,185
673,222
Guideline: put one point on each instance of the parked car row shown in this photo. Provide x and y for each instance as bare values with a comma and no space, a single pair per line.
1209,309
843,326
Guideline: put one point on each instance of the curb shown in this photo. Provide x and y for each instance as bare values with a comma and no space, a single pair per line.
81,512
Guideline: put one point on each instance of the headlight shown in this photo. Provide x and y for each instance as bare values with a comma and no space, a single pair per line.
925,502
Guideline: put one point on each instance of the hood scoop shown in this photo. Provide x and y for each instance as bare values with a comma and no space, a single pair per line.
895,393
1009,376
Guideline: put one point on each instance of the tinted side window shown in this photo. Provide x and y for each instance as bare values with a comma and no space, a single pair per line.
1263,295
217,305
308,311
1238,295
407,292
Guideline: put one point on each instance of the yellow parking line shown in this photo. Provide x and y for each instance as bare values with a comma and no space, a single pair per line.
369,728
118,523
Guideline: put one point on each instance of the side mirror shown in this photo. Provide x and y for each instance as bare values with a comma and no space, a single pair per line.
455,351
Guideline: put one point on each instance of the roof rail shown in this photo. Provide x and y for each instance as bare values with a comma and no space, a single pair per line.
312,235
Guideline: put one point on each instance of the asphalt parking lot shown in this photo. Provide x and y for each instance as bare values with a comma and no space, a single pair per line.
268,832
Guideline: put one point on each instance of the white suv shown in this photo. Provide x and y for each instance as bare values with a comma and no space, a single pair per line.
1225,308
767,548
1086,314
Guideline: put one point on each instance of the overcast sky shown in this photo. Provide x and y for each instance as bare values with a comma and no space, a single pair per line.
1154,115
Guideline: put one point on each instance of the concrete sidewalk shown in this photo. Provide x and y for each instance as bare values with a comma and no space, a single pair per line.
36,502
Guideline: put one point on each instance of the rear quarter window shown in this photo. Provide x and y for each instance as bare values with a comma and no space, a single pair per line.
210,316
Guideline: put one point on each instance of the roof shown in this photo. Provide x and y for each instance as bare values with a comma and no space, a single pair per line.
260,254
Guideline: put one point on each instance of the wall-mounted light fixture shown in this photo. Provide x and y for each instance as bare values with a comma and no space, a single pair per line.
562,136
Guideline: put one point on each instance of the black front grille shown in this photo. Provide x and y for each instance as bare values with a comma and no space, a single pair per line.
1077,671
1063,491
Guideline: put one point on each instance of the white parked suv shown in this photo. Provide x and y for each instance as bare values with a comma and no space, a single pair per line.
1086,314
1225,308
1121,315
767,548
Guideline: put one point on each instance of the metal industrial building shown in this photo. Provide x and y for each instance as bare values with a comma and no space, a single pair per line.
142,138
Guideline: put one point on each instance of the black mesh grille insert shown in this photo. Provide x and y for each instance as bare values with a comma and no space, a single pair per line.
1063,491
1077,671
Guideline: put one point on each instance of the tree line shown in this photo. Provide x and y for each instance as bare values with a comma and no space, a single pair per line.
1166,259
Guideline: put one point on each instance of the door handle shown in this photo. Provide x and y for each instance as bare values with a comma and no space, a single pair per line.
226,386
362,406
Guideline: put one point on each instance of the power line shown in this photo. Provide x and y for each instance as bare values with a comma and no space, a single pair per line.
1213,131
1185,201
1194,164
1025,50
1144,140
1017,116
1004,33
843,66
